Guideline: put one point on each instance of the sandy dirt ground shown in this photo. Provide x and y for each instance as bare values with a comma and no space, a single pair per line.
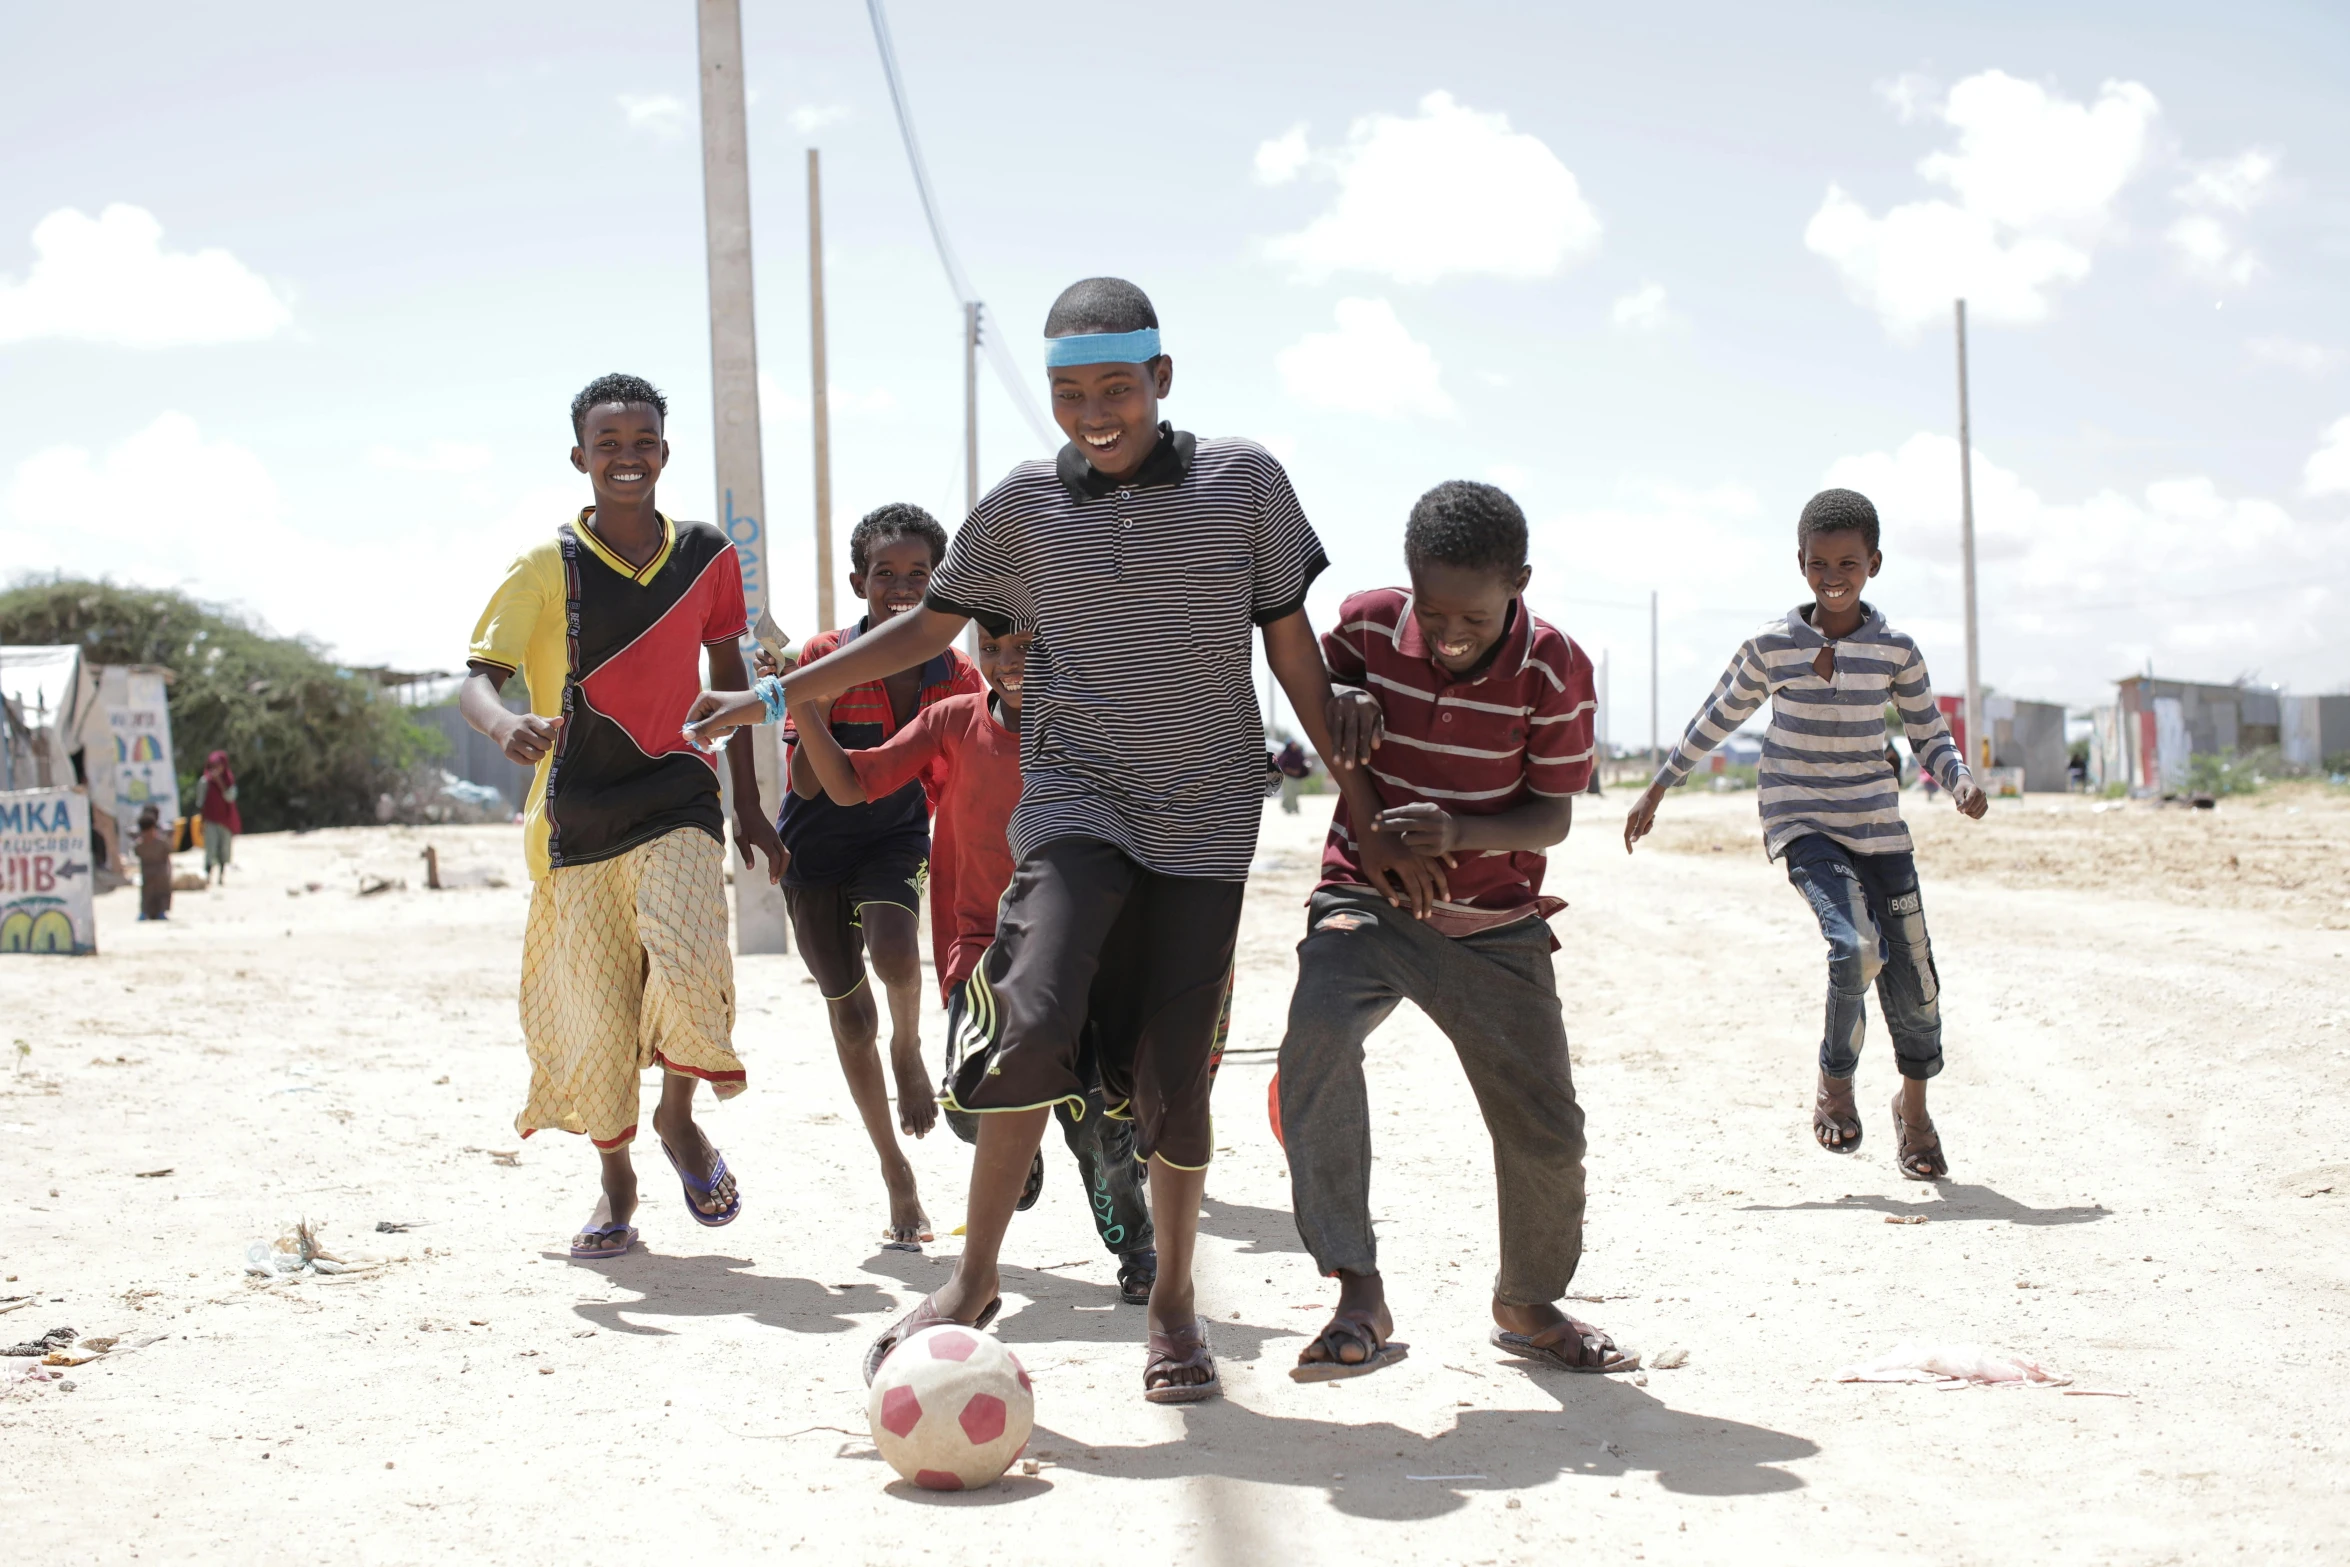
2147,1105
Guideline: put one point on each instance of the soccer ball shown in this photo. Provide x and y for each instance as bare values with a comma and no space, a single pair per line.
951,1408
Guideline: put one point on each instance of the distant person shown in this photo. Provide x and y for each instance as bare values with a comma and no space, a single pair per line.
625,962
153,847
1831,808
1481,713
857,870
216,807
1295,767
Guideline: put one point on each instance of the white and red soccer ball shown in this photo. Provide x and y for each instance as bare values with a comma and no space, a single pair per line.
951,1408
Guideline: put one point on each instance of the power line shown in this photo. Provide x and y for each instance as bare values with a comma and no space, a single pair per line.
1023,397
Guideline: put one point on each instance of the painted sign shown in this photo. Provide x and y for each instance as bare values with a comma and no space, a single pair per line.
45,872
140,724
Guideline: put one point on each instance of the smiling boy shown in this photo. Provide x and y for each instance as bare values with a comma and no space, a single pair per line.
1145,561
857,869
1831,808
624,961
1472,718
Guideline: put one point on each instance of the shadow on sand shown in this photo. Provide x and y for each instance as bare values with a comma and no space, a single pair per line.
1604,1427
1978,1204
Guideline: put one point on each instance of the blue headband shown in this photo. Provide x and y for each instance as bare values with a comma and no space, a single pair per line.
1102,348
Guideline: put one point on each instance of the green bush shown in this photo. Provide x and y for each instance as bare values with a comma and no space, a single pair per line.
312,743
2229,772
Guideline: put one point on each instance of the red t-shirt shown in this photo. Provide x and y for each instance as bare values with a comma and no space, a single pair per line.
1475,747
978,771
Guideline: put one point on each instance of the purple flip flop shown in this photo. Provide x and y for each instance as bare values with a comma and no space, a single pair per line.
602,1253
695,1190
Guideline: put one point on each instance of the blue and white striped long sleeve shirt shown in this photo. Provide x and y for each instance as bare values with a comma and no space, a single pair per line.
1823,760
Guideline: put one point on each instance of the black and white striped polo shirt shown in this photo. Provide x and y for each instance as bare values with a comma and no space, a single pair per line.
1139,721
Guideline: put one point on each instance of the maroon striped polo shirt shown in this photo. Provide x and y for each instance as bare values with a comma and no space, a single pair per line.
1475,746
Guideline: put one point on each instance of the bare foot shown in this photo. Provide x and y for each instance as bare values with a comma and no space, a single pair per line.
909,1226
917,1099
1835,1118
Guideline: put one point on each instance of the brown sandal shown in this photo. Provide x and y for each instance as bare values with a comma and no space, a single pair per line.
1347,1327
1568,1345
1920,1156
923,1316
1845,1120
1182,1350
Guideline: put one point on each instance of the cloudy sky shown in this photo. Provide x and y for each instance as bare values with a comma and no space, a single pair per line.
291,308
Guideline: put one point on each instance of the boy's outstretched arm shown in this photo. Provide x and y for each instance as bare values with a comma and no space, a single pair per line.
1743,688
904,642
1392,869
1930,740
752,828
818,756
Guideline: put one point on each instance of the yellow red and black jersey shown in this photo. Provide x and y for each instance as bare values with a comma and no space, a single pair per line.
616,651
828,841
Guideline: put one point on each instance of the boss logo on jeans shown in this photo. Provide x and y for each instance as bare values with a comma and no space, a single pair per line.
1903,903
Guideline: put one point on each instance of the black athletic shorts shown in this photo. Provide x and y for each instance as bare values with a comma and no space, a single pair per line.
1085,931
828,918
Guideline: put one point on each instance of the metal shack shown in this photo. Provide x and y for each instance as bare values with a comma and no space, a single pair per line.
2156,725
2314,731
2029,735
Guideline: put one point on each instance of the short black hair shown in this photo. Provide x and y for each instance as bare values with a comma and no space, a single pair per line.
614,388
1838,511
896,520
1099,304
1464,523
992,626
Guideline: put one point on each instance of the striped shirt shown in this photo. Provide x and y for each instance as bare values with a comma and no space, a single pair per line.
1139,721
1823,763
1521,726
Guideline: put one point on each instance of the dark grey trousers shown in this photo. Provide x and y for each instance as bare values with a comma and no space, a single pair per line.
1494,996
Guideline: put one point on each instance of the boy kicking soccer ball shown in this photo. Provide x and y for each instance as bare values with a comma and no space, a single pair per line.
1473,721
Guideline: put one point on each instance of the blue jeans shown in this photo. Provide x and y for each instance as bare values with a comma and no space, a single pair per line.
1869,911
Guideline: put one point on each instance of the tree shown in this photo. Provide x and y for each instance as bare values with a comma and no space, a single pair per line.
313,744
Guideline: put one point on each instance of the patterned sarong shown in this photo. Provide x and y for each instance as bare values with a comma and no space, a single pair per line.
624,966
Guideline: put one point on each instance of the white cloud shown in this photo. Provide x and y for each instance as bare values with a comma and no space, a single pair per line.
1643,310
439,457
108,279
1449,192
2206,244
2236,184
659,114
809,118
1284,157
2076,592
2328,470
2293,354
776,403
1370,365
2035,176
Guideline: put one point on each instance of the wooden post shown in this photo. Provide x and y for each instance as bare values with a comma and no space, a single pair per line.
819,399
1655,733
760,921
1978,744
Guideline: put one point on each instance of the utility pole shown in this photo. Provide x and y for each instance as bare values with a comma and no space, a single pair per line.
1978,743
1655,756
760,921
819,398
970,406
